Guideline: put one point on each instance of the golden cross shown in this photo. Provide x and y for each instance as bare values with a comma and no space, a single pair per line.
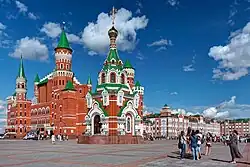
113,12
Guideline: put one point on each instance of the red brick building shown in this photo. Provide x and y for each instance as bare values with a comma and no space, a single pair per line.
68,107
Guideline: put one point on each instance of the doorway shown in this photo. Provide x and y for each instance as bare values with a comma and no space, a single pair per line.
97,124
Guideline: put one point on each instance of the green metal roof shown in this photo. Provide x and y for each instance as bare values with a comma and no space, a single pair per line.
103,110
128,64
63,42
21,69
37,79
137,84
113,54
43,82
69,86
14,94
111,85
89,82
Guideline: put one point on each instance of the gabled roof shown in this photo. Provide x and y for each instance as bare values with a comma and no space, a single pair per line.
137,84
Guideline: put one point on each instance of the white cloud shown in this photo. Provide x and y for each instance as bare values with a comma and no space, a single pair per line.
173,93
2,26
2,105
95,35
22,8
74,38
162,44
92,53
52,30
233,58
190,67
173,2
32,16
30,48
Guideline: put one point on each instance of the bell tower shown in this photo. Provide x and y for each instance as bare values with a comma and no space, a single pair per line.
21,82
63,62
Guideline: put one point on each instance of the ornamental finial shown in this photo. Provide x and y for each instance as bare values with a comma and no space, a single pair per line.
113,12
63,25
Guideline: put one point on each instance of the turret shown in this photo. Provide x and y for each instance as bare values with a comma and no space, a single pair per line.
138,88
89,83
36,92
63,58
112,67
130,72
21,82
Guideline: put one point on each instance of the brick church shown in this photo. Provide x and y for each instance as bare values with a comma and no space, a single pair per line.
66,106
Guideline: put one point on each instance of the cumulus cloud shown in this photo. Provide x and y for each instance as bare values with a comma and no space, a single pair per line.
219,111
53,30
30,48
233,58
95,36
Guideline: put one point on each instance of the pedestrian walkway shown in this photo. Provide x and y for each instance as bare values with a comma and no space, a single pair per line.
245,161
158,154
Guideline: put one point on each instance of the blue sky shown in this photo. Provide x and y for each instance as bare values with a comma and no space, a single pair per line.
192,55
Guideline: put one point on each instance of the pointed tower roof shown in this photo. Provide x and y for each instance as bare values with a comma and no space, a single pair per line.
137,84
128,64
113,55
37,79
63,42
89,82
21,73
69,86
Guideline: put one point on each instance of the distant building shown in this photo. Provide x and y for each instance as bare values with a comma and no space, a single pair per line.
241,125
170,125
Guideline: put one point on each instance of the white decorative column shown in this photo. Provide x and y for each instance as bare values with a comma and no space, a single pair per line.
137,125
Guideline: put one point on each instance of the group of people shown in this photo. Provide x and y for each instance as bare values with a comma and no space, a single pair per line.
193,141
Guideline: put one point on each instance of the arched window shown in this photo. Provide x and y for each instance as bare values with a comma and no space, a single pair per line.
103,78
112,78
122,79
22,85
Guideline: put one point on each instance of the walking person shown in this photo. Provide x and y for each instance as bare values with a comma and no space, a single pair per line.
233,145
194,146
208,144
53,137
182,144
199,142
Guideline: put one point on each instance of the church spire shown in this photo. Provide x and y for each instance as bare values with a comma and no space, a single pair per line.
63,42
21,73
113,33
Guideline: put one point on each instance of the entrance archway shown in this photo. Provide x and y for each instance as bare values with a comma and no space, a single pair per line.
97,124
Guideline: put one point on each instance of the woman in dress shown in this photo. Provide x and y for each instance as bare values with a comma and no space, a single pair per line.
233,145
208,144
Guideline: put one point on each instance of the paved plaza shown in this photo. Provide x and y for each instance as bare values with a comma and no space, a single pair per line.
18,153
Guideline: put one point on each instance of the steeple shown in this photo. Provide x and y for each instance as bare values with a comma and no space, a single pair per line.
89,82
128,64
37,79
113,57
21,73
63,42
113,33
